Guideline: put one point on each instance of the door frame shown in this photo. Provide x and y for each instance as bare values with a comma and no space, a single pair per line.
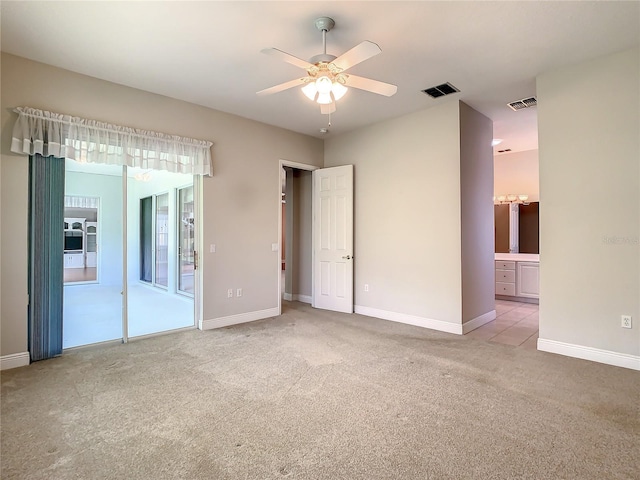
299,166
198,216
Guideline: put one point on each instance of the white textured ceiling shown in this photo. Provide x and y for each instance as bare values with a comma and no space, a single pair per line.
208,53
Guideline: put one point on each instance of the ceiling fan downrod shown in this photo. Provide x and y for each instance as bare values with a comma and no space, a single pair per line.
324,24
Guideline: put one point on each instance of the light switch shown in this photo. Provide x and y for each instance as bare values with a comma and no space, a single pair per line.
274,247
212,248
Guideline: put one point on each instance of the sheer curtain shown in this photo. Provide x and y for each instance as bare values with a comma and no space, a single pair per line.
91,141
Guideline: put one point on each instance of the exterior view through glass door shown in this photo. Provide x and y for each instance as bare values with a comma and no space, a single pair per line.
154,299
93,254
186,241
131,237
162,241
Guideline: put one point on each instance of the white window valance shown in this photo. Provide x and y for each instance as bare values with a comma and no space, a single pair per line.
91,141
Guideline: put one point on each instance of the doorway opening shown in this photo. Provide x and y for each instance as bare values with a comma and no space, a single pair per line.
516,234
80,239
295,270
319,227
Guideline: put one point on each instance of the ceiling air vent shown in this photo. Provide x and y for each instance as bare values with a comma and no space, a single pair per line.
441,90
524,103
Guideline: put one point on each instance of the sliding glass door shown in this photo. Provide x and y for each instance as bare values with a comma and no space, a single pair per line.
154,240
186,241
146,239
133,235
155,302
93,254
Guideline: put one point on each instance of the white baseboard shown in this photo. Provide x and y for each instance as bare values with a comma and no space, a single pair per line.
295,297
302,298
14,360
239,318
410,319
478,322
589,353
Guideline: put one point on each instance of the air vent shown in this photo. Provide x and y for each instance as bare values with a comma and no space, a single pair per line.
441,90
524,103
504,151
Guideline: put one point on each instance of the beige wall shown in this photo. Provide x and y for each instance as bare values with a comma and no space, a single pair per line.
589,144
407,212
517,173
241,200
476,207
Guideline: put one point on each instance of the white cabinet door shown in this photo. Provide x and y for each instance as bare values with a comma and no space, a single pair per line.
333,238
73,260
528,281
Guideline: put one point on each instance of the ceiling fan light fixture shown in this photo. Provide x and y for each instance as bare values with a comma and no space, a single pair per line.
310,90
338,90
326,81
324,98
324,84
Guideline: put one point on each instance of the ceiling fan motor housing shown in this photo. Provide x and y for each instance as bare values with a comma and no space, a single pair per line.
325,23
322,58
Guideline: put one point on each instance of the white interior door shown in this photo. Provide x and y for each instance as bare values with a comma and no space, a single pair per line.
333,238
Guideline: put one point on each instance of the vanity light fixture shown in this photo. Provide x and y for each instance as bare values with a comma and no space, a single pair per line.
511,198
143,176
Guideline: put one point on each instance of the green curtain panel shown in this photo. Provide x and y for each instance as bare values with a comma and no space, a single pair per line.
46,275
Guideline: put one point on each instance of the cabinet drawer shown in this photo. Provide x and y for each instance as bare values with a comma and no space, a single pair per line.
506,276
503,265
505,288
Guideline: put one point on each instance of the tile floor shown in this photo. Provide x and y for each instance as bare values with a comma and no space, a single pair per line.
93,312
516,324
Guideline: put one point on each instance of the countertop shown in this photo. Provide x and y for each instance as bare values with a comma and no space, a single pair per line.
518,257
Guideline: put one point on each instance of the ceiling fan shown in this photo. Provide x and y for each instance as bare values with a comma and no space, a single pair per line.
326,80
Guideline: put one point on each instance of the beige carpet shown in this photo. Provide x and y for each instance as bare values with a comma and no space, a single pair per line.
317,395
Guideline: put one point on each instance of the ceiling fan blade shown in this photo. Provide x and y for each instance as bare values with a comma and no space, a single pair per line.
370,85
298,62
298,82
328,108
357,54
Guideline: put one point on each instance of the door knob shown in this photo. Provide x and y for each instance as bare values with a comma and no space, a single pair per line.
347,257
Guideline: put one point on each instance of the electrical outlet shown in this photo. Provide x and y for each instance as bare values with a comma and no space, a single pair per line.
230,293
625,321
239,292
366,287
